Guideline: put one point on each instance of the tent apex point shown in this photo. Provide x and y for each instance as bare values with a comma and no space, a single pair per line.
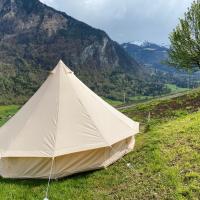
61,65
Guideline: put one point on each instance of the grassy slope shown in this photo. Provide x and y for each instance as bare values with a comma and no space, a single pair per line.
166,160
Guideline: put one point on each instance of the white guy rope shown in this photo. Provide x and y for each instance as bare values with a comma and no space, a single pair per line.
50,174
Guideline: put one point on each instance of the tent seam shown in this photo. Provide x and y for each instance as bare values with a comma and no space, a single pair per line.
93,96
58,109
88,114
105,106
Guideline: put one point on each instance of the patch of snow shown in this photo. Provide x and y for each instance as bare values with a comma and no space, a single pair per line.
150,49
146,44
165,45
138,43
125,45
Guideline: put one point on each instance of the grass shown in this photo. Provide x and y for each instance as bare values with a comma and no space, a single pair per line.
165,161
113,102
175,89
165,108
6,112
175,92
140,98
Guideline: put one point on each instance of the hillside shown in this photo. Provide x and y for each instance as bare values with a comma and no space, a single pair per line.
34,37
165,162
166,108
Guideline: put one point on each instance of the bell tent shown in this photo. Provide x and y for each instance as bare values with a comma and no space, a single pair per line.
65,128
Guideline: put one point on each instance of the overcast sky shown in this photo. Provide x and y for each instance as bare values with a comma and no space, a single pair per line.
127,20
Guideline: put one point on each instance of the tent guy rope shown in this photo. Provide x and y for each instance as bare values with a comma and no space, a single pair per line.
49,180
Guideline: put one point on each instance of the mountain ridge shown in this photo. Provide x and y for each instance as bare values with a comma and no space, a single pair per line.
34,37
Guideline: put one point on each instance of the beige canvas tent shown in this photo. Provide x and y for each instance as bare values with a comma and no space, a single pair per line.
63,129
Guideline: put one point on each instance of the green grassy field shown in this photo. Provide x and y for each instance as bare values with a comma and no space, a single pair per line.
175,89
6,112
165,161
113,102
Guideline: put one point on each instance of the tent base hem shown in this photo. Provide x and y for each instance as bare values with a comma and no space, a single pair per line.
66,165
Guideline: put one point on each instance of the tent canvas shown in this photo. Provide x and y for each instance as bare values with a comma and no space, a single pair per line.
67,122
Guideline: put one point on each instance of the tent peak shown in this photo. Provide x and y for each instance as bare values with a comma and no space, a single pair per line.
61,65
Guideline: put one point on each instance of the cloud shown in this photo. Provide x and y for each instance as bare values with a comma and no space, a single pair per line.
127,20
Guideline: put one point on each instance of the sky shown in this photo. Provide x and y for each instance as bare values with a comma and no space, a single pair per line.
127,20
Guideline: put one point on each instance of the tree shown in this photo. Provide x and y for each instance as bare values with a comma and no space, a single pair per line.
185,40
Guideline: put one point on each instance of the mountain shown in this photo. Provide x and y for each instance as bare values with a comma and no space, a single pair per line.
149,54
153,56
34,37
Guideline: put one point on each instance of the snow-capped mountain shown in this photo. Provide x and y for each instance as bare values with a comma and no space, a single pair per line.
146,43
138,43
148,53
